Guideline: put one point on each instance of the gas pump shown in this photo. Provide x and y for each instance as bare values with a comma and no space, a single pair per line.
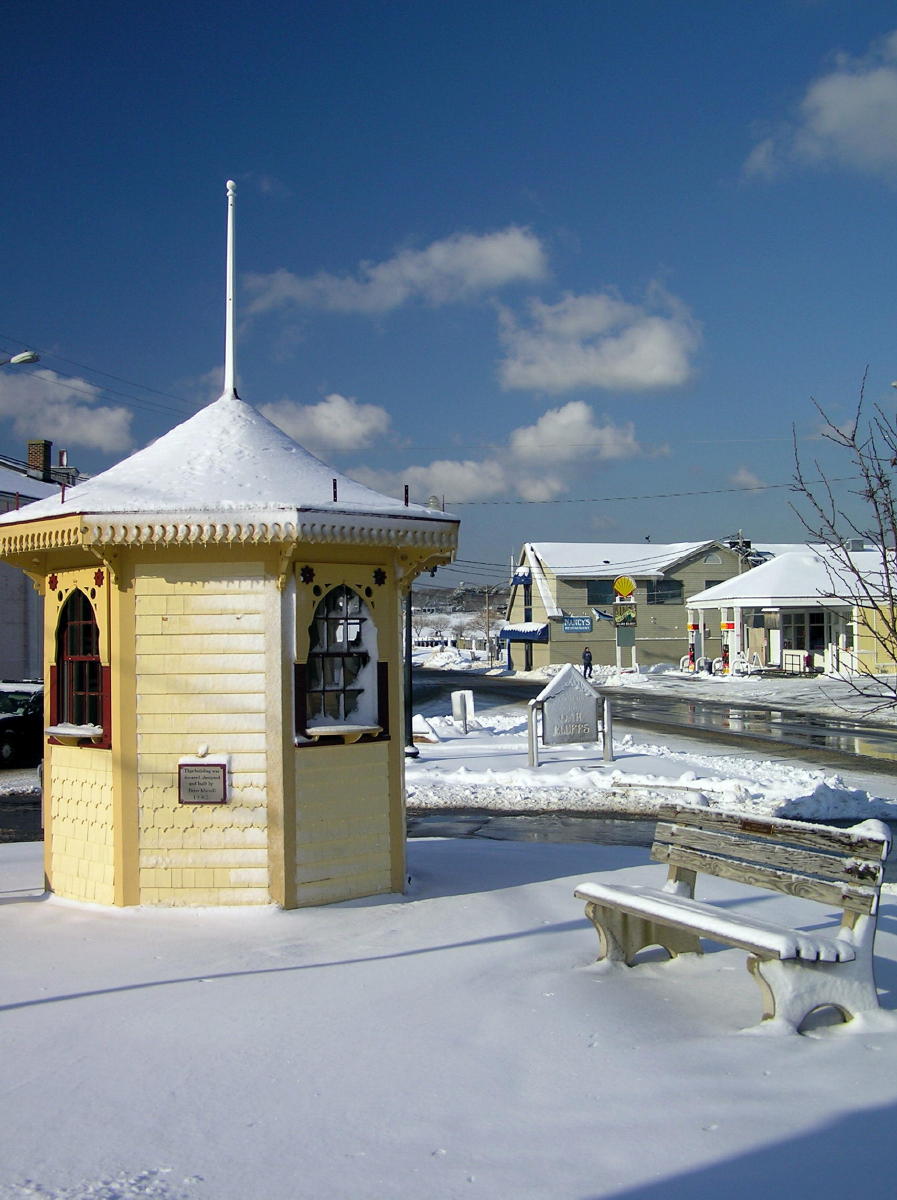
693,636
727,636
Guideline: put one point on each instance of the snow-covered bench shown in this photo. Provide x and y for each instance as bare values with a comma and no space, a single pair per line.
798,970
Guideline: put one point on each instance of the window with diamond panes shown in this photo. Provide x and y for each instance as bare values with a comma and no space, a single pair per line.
336,677
79,682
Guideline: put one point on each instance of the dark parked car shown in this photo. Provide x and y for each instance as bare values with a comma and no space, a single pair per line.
21,723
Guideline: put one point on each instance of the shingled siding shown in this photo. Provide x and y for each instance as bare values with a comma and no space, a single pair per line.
80,847
200,668
342,827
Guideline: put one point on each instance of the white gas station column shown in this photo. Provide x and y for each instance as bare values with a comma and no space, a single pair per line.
738,633
695,639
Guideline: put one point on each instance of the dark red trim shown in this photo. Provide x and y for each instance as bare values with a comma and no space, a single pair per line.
383,700
51,706
300,702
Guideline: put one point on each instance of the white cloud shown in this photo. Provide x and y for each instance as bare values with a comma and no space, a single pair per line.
599,340
746,478
540,488
268,185
449,270
44,404
847,117
334,423
603,521
456,480
526,468
569,434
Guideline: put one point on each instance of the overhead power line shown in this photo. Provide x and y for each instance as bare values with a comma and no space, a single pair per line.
760,487
137,401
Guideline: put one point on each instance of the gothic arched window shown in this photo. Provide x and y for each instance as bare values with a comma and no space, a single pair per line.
340,659
341,683
79,673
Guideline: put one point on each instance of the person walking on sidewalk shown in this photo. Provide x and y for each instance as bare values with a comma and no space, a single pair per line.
587,663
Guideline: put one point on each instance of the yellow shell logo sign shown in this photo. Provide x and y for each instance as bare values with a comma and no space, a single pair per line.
624,586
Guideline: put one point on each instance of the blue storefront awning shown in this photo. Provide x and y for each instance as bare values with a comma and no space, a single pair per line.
526,631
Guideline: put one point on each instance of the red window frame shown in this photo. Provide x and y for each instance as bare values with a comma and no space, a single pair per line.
79,682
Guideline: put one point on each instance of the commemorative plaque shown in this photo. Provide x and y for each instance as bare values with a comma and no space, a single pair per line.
202,783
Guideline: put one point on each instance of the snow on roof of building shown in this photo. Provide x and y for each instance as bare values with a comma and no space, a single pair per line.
225,458
807,577
17,483
597,560
774,549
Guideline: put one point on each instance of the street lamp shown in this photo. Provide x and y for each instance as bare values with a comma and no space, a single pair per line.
27,356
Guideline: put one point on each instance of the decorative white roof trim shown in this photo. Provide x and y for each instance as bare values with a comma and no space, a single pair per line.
375,532
232,529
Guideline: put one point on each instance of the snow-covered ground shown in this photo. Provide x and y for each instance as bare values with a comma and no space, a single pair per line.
457,1041
488,769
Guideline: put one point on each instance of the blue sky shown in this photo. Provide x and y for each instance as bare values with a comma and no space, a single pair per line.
557,263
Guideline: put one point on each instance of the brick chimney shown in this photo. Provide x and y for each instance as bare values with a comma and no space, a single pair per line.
39,458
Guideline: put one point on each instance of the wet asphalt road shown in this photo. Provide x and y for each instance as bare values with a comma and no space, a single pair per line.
815,739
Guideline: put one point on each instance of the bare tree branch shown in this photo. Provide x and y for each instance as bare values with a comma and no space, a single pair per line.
866,517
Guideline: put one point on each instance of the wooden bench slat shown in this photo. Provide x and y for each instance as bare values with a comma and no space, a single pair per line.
725,926
843,868
854,899
778,829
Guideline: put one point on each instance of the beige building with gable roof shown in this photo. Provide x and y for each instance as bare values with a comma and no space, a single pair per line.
562,600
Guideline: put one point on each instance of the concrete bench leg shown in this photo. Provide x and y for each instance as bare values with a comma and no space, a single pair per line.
793,987
622,935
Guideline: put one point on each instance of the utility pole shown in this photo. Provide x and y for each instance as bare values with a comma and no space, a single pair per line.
489,590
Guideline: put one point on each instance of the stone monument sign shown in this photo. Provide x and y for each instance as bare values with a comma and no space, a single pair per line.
570,709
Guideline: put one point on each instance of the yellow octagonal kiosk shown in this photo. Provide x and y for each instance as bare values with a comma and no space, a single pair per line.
222,657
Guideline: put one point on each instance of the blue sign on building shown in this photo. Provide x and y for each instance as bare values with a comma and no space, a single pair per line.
577,624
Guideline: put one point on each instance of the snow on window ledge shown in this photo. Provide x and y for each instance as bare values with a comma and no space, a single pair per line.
71,735
340,729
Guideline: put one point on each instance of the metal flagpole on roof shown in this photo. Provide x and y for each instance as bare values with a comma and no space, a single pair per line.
230,376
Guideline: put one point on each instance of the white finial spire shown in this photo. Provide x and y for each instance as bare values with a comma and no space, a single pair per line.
230,367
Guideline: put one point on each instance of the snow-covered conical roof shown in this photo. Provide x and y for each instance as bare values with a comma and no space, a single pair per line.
227,458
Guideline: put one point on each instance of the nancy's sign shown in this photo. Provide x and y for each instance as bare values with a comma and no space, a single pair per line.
577,624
